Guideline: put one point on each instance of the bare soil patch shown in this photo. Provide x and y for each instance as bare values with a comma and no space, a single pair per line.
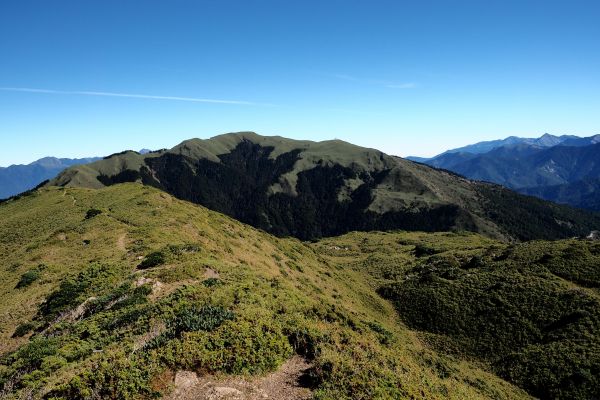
287,383
210,273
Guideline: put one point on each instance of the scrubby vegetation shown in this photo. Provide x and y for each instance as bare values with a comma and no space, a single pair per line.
517,308
95,325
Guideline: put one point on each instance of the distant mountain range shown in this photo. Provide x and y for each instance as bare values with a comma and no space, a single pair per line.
19,178
312,189
546,140
16,179
564,169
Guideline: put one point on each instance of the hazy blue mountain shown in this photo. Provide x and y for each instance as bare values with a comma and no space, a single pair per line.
417,159
556,168
586,141
583,194
526,166
16,179
546,140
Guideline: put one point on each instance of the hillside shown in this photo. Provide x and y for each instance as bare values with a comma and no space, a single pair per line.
314,189
16,179
117,292
121,299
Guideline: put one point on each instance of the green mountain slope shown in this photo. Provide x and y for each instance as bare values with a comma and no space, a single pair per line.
107,293
313,189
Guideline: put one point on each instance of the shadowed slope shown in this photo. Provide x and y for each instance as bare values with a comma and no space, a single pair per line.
313,189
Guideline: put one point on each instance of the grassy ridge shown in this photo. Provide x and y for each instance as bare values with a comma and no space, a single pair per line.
530,312
109,292
148,285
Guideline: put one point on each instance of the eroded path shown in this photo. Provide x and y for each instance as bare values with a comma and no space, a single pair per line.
284,384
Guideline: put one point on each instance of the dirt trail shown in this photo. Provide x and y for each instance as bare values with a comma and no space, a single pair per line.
121,242
283,384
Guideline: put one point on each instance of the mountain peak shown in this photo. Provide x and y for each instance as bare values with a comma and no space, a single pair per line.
311,189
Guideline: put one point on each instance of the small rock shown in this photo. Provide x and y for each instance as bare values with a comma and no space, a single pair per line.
224,392
142,281
185,379
210,273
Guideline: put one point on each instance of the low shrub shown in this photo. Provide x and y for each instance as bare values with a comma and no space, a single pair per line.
385,337
210,282
66,296
114,376
235,348
28,278
194,319
23,329
152,260
422,251
92,212
31,355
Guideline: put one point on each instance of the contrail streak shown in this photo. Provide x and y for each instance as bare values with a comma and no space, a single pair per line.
134,96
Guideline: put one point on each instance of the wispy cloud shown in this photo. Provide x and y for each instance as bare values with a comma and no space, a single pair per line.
345,77
407,85
377,82
134,96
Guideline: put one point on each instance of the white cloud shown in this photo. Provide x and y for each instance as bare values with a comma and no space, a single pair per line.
135,96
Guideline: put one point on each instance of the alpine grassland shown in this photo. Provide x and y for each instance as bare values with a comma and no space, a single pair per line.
108,293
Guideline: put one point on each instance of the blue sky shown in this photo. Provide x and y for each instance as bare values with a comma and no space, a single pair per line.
406,77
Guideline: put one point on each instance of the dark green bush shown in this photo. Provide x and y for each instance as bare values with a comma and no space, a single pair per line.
30,356
66,296
102,302
193,319
384,336
152,260
304,340
422,250
210,282
23,329
95,279
114,376
92,212
28,278
240,347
